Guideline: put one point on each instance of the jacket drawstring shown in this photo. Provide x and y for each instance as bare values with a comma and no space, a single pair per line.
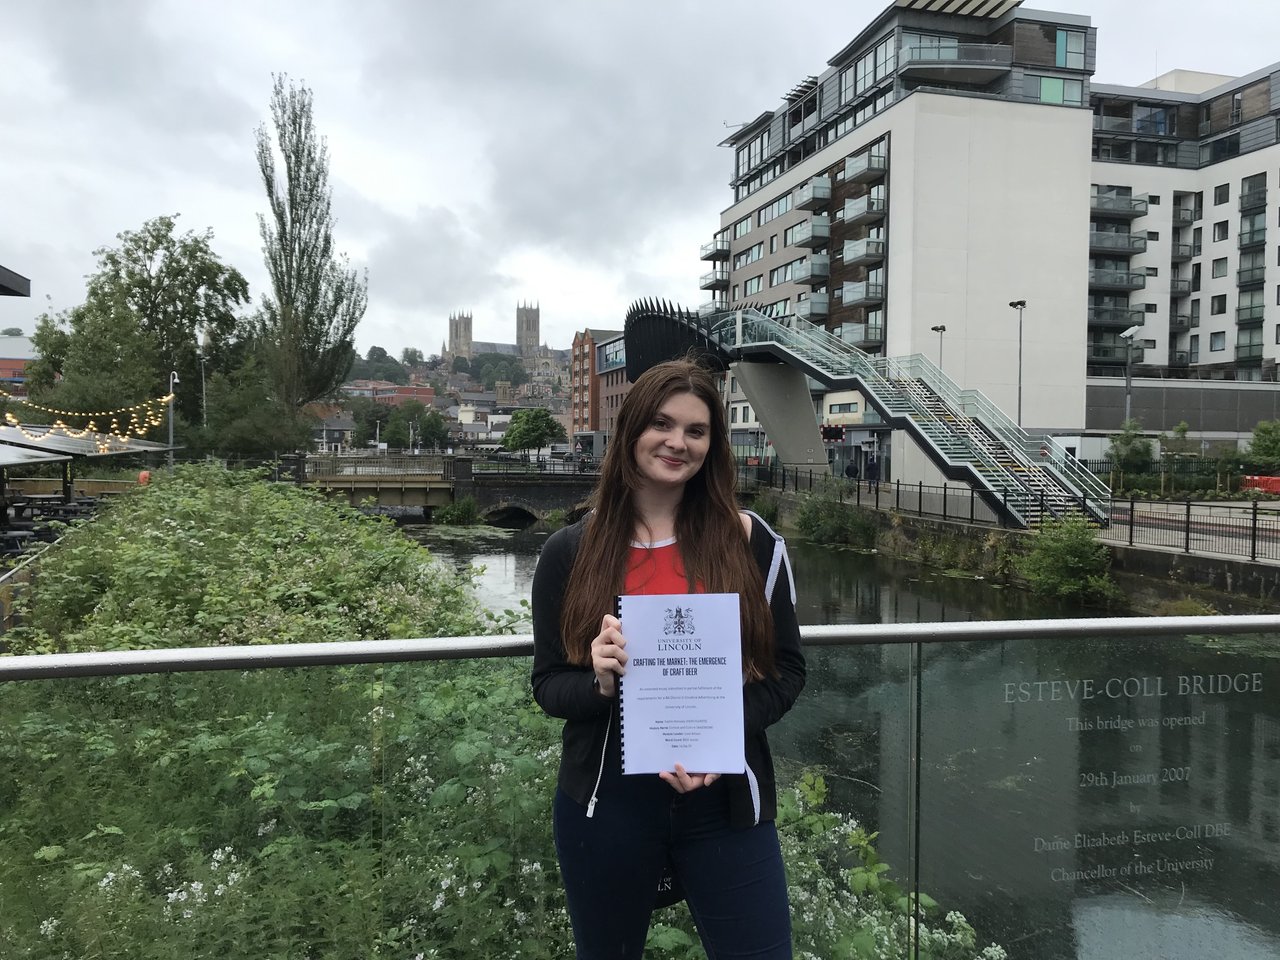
591,805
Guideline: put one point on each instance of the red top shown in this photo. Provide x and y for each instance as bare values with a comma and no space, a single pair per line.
655,568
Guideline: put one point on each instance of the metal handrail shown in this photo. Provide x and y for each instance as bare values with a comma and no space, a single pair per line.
52,666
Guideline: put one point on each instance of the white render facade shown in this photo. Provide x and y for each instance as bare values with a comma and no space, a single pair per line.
945,165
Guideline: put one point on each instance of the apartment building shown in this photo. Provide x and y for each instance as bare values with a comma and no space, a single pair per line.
956,158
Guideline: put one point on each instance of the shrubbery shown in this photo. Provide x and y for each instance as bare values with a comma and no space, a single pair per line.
824,519
1067,562
461,513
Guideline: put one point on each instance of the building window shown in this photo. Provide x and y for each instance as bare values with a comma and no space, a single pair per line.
1237,100
1217,341
1070,50
1220,230
1151,307
789,234
1195,348
782,274
1152,234
1195,313
755,284
1221,193
1220,267
1218,305
742,228
773,243
1153,271
1053,90
775,209
749,255
733,414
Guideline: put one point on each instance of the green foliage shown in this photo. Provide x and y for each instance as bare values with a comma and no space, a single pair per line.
766,505
532,430
208,557
246,419
151,300
377,364
489,368
824,519
461,365
1067,562
1264,447
462,512
411,357
1129,449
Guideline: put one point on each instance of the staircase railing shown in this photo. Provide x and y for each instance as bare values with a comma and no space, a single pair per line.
1039,455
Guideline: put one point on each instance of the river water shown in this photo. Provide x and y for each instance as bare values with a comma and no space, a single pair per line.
1083,800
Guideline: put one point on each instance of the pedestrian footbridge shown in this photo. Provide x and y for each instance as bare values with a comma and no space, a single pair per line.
1024,477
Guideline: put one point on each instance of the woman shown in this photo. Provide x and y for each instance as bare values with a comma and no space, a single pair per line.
664,520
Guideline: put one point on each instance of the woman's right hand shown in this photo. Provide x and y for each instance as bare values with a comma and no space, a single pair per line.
608,658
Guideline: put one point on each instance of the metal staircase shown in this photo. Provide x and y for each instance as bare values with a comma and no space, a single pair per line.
1027,478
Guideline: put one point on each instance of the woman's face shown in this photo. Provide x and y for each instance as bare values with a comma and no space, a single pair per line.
674,446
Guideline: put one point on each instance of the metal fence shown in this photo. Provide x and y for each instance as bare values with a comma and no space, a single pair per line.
1247,530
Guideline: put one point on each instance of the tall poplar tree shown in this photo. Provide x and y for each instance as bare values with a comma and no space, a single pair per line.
307,323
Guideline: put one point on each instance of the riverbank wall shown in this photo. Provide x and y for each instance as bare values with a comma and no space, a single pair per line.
1155,581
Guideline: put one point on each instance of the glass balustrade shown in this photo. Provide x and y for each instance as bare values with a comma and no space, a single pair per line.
1078,790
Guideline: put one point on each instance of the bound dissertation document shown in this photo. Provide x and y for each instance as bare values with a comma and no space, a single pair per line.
682,693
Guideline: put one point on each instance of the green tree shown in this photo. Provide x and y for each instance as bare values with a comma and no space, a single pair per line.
370,417
11,332
532,430
435,432
1264,446
461,365
377,364
247,419
411,357
1130,450
147,306
307,324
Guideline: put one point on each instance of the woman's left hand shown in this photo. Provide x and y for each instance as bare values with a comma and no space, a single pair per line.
683,782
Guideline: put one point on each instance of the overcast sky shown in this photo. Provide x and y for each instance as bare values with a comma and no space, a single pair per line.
561,151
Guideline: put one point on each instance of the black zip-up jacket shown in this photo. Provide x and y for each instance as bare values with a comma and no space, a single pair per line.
567,691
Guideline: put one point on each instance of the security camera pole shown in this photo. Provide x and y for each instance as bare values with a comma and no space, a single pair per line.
940,329
1019,305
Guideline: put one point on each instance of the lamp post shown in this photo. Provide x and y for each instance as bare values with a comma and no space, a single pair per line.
940,329
173,379
1129,343
204,408
1019,305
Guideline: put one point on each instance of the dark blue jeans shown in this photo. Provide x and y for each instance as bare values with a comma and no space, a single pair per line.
733,880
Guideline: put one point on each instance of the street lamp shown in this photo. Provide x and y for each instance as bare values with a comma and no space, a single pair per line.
940,329
1019,305
204,408
173,379
1129,343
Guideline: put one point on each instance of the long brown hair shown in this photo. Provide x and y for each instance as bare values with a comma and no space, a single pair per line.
713,546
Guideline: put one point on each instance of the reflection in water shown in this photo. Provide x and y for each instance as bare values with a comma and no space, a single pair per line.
1025,827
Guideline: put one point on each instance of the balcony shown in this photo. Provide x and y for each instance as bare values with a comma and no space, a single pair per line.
1184,216
1117,207
1253,199
1252,238
1123,244
1250,276
1179,287
814,271
713,306
863,335
1112,353
1179,358
861,294
1115,317
815,233
813,195
1116,280
976,63
1179,323
1144,126
1182,252
1250,314
715,250
1248,351
866,167
861,252
863,210
715,280
813,307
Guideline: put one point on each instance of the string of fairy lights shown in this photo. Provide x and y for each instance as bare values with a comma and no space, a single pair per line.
122,424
